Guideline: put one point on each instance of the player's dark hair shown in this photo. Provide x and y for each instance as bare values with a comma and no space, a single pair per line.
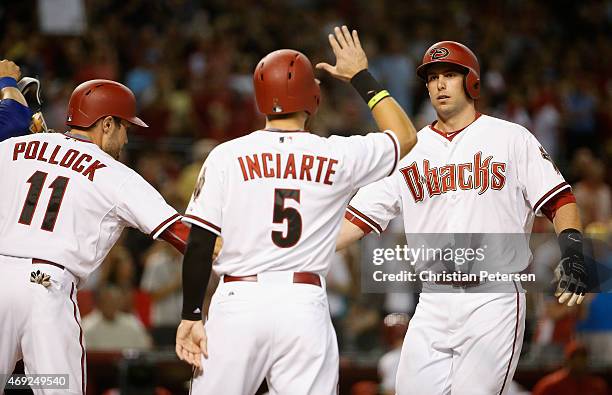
116,121
276,117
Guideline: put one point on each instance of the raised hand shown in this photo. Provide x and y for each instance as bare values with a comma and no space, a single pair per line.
350,57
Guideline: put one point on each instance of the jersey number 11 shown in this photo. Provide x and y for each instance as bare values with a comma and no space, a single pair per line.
37,182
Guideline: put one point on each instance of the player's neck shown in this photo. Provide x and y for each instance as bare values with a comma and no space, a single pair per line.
93,137
456,121
297,122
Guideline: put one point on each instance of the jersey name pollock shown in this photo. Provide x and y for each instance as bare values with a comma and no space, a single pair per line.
55,154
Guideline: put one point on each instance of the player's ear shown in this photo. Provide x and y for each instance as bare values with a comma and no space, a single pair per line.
107,124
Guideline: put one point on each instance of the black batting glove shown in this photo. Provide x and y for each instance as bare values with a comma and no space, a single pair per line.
571,272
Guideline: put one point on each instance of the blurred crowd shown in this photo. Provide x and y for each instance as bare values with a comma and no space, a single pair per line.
545,65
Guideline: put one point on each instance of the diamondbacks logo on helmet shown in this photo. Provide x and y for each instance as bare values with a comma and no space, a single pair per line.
455,53
439,53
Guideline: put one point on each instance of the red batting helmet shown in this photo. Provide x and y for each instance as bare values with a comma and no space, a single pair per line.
284,83
455,53
95,99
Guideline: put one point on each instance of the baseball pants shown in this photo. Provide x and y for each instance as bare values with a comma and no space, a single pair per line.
40,324
462,344
271,329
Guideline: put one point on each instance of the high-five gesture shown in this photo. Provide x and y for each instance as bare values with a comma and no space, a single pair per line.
350,57
352,65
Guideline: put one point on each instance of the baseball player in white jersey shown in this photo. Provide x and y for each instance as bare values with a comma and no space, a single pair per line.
65,201
469,173
277,198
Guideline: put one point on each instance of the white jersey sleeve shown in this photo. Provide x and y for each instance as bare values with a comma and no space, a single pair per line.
377,204
537,174
371,157
205,207
142,207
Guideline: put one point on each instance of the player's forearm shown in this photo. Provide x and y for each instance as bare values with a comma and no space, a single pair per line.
389,115
15,94
197,266
567,217
572,271
386,111
349,233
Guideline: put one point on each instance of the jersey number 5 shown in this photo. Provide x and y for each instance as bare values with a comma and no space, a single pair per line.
282,213
37,182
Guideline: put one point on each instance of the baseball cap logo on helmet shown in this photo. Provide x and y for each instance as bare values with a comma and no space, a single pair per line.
454,53
284,83
439,53
276,108
96,99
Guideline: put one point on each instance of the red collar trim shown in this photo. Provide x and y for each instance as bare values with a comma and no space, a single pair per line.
450,136
79,138
285,131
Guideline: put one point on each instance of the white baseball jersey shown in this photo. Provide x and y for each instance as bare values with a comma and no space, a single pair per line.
490,177
280,196
66,201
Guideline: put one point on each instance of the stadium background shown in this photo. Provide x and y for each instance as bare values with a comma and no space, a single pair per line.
545,65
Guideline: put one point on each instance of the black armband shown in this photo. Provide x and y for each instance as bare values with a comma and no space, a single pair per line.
370,90
570,243
197,266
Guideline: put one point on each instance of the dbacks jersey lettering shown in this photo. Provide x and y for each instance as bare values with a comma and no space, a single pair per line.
479,174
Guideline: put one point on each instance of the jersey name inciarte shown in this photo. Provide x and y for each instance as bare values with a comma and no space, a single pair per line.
306,167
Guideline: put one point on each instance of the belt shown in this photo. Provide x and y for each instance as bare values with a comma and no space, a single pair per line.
460,284
42,261
298,278
43,276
